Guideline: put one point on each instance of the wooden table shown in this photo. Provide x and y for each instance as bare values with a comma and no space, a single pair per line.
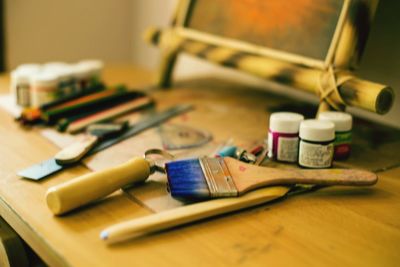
331,227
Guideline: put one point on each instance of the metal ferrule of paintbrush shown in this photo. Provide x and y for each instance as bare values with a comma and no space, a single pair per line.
218,178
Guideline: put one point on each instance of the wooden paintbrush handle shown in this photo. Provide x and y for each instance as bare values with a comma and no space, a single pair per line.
74,152
248,177
190,213
351,177
84,189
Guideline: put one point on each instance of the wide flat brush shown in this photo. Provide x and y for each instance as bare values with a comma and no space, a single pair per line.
206,178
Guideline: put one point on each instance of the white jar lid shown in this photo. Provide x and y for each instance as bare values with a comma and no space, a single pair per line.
23,75
55,65
44,79
30,67
343,121
81,71
63,73
317,130
285,122
95,66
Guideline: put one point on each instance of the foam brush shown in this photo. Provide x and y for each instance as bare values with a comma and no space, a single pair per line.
206,178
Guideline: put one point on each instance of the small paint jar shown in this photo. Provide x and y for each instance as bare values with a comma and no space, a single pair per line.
44,88
66,83
81,74
94,69
316,144
65,77
343,124
20,83
283,136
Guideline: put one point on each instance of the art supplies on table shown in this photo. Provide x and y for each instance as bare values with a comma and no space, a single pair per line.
194,179
75,114
50,166
33,115
77,123
89,105
35,85
242,154
319,143
96,133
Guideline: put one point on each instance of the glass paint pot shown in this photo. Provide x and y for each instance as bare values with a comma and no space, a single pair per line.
283,136
343,125
316,144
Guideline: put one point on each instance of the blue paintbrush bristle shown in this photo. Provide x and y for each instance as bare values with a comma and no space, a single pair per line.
186,180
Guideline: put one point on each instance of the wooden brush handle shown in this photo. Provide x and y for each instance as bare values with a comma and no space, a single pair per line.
248,177
190,213
76,151
84,189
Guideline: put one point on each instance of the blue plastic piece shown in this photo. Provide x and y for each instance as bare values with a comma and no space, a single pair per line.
227,151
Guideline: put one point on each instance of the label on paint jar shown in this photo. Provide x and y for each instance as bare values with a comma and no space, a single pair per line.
315,155
342,145
283,146
23,95
288,148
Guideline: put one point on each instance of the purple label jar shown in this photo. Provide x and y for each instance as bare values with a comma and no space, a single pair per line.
283,136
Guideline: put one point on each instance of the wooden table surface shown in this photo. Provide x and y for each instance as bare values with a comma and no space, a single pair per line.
331,227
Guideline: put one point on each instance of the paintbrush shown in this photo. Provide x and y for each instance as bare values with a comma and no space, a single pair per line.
205,178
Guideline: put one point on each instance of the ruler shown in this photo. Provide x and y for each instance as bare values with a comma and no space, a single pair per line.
50,166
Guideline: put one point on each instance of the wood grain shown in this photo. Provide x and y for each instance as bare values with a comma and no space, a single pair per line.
331,227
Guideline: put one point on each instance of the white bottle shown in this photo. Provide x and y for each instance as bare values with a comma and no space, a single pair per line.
20,83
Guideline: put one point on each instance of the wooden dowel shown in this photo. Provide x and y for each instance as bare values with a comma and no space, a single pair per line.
186,214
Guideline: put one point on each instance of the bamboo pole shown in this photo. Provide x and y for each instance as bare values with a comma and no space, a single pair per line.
354,91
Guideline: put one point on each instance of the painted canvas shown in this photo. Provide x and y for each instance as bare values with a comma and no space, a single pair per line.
302,27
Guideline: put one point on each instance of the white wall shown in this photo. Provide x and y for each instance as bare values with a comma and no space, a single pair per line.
68,30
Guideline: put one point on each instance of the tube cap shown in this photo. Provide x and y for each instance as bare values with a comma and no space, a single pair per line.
285,122
317,130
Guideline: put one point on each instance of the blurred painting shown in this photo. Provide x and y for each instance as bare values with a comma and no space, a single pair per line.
302,27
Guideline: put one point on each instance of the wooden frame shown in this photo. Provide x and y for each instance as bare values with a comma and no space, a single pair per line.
183,30
339,41
328,76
